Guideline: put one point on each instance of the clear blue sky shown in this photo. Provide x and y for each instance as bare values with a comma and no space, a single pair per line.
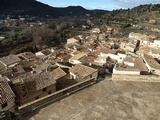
99,4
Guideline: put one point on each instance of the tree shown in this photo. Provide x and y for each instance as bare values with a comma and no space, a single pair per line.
126,25
42,34
12,34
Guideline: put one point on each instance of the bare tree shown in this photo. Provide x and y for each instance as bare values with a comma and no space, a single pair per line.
42,34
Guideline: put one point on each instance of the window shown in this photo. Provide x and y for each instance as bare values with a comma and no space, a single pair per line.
4,105
23,88
90,76
37,98
44,89
25,94
49,92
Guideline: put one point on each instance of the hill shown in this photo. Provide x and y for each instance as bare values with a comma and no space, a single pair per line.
126,17
33,7
139,19
140,13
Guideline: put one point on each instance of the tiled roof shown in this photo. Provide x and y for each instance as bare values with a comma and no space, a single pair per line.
151,61
65,64
38,81
18,69
6,72
104,50
26,63
156,51
113,51
145,48
126,68
28,55
131,45
82,71
92,57
61,55
6,92
58,73
139,64
66,58
2,66
129,59
42,67
46,52
77,56
107,45
11,59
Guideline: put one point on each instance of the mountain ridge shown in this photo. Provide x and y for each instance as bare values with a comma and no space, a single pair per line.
36,8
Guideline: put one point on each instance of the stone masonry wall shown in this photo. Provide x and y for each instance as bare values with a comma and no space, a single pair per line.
140,78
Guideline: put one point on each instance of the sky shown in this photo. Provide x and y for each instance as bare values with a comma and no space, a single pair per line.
99,4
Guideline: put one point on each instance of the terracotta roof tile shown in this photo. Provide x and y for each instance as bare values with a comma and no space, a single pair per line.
82,71
129,59
77,56
58,73
139,64
61,55
6,92
42,67
151,61
28,55
2,66
92,57
41,80
11,59
46,52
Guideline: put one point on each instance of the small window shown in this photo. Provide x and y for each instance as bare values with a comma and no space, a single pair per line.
37,98
44,89
49,92
90,76
25,94
23,88
4,105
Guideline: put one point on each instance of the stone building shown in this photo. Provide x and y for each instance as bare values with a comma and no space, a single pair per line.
7,97
30,87
83,73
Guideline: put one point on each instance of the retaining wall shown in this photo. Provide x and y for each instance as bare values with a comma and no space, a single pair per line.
137,78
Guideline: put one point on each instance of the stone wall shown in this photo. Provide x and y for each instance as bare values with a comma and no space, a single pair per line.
137,78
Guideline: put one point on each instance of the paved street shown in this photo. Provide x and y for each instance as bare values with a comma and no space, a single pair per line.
107,100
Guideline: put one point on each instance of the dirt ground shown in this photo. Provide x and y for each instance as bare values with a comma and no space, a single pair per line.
106,100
